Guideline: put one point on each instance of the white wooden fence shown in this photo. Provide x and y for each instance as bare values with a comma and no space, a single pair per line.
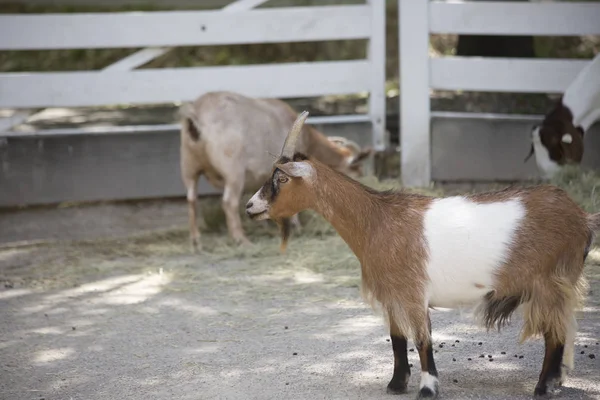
235,24
52,166
419,74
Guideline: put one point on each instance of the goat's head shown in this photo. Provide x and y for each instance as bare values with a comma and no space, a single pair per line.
287,191
556,142
355,156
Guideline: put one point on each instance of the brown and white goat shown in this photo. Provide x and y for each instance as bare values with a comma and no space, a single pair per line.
558,141
229,138
496,251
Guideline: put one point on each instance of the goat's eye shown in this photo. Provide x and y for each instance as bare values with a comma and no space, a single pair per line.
282,179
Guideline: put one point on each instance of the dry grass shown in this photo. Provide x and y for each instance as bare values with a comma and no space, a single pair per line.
316,249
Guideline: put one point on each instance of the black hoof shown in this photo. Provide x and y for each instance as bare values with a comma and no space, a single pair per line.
547,388
427,393
395,390
540,391
398,385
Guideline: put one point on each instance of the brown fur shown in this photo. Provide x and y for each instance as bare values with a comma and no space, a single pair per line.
544,272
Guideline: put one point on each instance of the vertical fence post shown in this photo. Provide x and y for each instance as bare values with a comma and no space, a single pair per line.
415,141
376,55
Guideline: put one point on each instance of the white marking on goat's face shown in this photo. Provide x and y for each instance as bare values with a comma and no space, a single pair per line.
546,165
257,207
567,138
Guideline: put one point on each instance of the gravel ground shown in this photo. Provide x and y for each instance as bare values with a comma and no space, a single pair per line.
182,326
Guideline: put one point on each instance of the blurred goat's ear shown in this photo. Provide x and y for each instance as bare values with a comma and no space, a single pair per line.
296,169
363,155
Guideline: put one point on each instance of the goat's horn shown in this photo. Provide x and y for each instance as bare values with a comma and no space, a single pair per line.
290,142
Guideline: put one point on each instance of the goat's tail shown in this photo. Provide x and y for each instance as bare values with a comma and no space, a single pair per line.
189,120
593,221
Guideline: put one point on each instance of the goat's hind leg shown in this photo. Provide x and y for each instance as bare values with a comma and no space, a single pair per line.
231,204
191,183
401,375
551,313
551,374
421,324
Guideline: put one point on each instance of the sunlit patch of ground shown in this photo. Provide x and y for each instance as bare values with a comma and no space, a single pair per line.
145,314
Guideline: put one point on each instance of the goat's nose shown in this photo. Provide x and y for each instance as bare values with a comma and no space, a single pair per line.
248,205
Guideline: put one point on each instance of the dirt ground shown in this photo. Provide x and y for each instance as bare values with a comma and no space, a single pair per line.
107,302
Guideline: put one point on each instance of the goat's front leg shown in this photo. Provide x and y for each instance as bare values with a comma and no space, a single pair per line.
231,202
401,375
428,388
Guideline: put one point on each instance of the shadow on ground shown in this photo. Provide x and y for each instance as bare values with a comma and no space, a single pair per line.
146,319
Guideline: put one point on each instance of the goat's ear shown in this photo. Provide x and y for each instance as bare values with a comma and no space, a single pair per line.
362,155
298,169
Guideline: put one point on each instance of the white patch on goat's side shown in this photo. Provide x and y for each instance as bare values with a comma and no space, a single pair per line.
259,205
567,138
428,380
467,242
191,194
546,165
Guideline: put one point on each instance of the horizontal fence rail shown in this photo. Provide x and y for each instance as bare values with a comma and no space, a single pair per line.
505,18
183,28
420,73
76,89
503,75
45,167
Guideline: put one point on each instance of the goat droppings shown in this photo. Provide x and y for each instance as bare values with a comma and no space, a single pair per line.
455,380
592,356
468,359
294,354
